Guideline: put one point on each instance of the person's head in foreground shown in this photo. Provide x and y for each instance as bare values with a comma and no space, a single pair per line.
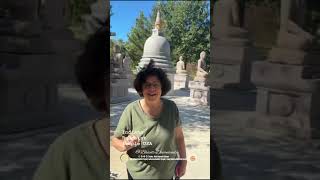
82,153
151,125
151,83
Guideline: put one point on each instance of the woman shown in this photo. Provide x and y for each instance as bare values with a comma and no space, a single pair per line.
82,153
149,130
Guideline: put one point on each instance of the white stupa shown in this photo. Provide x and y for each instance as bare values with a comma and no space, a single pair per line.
157,48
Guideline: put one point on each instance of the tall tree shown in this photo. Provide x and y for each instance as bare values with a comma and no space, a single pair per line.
187,27
136,38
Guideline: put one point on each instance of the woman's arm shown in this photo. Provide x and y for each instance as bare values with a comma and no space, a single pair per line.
182,151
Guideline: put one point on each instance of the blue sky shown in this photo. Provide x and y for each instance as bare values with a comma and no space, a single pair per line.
125,14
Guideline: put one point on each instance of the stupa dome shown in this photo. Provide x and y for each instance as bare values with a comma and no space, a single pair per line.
157,48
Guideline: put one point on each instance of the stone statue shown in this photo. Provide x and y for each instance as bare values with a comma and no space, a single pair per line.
228,17
181,68
118,57
291,34
126,62
116,64
201,74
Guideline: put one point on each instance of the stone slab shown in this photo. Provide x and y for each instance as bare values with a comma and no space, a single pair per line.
181,81
20,28
232,99
52,67
171,79
223,75
293,112
282,77
294,56
199,93
119,90
233,54
198,85
37,45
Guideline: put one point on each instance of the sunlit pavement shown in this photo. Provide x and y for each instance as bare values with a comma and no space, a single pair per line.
264,155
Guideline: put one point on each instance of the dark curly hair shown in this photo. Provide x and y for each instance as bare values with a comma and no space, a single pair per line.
150,70
92,70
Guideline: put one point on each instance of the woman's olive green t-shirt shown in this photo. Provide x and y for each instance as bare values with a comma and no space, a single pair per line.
79,154
156,155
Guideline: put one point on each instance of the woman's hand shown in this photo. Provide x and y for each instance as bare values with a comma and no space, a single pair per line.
131,141
181,168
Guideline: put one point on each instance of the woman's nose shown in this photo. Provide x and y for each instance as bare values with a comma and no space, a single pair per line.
152,89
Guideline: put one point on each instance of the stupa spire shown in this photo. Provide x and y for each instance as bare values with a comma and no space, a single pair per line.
158,23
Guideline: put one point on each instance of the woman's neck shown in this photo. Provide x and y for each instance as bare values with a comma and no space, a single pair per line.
152,104
152,108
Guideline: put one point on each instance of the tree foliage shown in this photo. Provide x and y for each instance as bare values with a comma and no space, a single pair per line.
186,27
77,9
136,38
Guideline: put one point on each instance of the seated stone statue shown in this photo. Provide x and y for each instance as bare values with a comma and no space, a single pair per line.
117,69
227,18
126,62
201,74
181,68
291,34
118,57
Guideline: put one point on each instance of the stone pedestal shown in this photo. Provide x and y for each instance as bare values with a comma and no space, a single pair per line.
37,53
231,65
199,93
181,81
171,78
119,90
27,99
286,102
130,79
230,71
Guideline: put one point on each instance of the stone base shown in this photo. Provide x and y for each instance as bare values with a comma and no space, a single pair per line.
233,99
119,89
199,93
293,56
286,56
181,81
282,76
281,125
130,79
29,121
292,113
231,69
26,106
230,76
18,97
232,54
171,78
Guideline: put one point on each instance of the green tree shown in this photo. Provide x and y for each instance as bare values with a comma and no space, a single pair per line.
137,37
187,28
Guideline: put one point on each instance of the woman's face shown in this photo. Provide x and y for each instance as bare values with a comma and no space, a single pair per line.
151,89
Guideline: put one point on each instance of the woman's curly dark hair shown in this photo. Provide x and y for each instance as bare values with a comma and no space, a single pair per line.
150,70
92,70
